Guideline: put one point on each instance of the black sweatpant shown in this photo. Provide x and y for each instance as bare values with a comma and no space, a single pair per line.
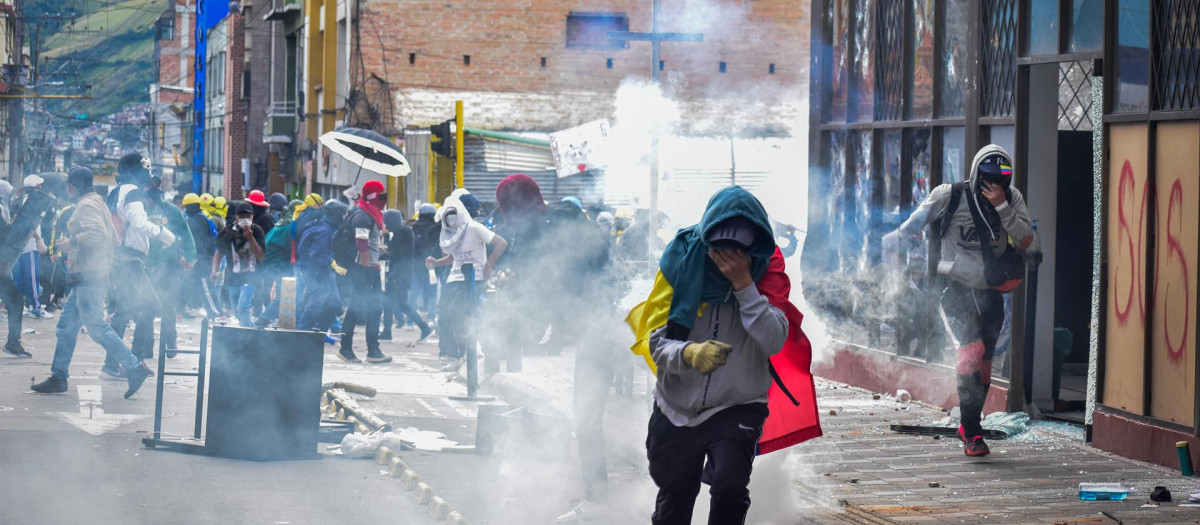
972,320
396,304
14,303
365,308
719,451
134,298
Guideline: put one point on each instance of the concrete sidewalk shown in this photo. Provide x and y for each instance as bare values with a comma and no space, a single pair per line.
861,472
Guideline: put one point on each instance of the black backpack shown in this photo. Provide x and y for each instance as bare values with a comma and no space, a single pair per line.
345,250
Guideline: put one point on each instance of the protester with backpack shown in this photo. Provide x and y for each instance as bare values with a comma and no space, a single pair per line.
358,245
165,264
277,264
984,208
319,302
401,262
204,234
133,296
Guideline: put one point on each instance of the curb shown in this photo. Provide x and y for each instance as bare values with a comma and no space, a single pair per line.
437,507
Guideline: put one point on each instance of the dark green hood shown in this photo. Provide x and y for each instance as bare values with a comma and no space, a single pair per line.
686,265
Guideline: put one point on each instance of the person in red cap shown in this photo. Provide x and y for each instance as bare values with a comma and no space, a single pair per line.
366,297
262,209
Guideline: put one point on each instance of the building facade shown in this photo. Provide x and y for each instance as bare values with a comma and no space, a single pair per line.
1094,99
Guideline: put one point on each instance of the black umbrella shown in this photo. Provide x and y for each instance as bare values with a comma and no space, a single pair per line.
368,150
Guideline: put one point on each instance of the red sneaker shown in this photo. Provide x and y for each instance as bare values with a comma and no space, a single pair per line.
974,447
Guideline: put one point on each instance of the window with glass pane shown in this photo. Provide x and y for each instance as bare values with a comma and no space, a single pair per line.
954,142
838,201
1133,56
891,171
1176,55
840,30
888,60
1043,27
922,159
999,55
1087,26
954,57
864,187
920,96
1003,136
863,65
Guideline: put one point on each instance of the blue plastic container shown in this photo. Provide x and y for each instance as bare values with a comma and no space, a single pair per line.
1102,491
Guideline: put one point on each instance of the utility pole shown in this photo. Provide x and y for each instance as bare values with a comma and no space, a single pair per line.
656,38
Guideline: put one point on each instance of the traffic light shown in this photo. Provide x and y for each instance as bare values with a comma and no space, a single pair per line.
443,138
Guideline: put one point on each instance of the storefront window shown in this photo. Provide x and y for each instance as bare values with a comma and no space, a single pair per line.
1133,56
892,158
1176,59
999,55
864,187
838,199
863,64
840,24
921,162
1087,26
953,143
920,97
890,59
954,57
1003,136
1043,27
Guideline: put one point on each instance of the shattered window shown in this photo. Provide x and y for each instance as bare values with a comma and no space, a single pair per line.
1043,28
863,65
837,202
921,162
920,96
840,30
1133,56
1087,26
891,171
953,146
954,57
864,187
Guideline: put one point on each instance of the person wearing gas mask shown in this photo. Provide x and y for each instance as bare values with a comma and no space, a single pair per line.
986,208
132,294
463,241
241,245
91,239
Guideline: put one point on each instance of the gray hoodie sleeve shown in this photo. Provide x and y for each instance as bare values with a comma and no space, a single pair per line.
668,353
1015,217
766,324
930,209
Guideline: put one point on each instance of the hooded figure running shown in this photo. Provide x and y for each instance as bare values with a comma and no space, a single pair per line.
712,357
972,302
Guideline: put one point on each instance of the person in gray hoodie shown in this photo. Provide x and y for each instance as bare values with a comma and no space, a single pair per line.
986,208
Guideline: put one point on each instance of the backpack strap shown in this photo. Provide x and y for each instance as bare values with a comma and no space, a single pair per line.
943,222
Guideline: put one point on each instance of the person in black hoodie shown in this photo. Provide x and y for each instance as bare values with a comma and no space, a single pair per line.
204,233
400,257
426,232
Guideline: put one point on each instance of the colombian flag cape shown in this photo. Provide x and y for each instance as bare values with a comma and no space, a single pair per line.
789,423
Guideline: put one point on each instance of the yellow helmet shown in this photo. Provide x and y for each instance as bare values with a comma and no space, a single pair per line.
191,198
206,199
313,200
219,204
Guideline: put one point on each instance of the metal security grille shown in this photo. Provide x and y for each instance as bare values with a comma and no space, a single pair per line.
1075,96
1177,55
888,60
999,53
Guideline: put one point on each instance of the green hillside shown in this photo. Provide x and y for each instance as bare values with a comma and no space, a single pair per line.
110,49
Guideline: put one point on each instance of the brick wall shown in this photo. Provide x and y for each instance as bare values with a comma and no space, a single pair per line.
235,108
177,56
506,87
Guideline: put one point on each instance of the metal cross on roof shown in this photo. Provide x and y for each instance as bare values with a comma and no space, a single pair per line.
656,38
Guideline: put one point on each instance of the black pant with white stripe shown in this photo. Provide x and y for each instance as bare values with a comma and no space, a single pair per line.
972,320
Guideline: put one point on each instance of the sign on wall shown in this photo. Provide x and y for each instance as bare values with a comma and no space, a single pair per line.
579,149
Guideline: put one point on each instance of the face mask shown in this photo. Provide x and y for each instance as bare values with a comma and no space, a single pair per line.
451,220
245,223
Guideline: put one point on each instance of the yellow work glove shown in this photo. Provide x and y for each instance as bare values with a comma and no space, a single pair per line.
336,268
706,357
